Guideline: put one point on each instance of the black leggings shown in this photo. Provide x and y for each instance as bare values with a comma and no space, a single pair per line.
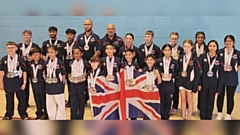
230,98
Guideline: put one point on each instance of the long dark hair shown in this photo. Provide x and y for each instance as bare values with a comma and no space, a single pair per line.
217,51
165,46
231,37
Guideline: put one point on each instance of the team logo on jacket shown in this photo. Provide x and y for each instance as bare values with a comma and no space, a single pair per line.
234,56
92,40
217,62
153,52
172,66
57,67
114,64
58,45
39,66
205,60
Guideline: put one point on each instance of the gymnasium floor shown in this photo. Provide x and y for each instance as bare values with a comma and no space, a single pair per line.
31,110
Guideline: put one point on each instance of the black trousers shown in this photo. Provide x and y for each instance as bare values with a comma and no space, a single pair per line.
22,106
40,100
86,93
77,103
199,98
27,88
175,98
230,98
206,103
166,96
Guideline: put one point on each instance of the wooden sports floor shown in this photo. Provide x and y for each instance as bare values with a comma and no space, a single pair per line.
31,110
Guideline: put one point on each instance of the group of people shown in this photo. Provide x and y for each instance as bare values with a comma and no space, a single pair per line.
193,67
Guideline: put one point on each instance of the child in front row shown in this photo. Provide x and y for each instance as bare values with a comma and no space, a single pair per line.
110,63
55,79
38,66
188,78
211,81
77,78
168,67
13,79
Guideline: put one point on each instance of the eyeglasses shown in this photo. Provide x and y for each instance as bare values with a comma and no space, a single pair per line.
11,47
87,24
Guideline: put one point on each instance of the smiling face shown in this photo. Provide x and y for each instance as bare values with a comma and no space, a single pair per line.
94,65
173,39
229,42
129,40
200,38
52,53
110,50
11,49
150,61
129,56
111,30
77,54
26,37
52,33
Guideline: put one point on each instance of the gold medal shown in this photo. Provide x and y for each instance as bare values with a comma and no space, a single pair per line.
110,78
184,74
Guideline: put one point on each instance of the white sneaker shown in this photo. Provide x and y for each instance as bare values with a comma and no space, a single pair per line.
228,117
219,116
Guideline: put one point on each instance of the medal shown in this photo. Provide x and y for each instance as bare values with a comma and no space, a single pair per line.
35,70
175,54
210,74
129,75
25,51
148,51
54,80
77,69
186,60
166,76
34,80
51,71
227,60
86,47
92,81
92,90
184,74
12,66
211,65
49,80
110,76
10,75
69,50
199,50
55,43
150,81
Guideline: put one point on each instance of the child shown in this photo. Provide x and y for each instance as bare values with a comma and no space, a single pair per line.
200,48
129,38
24,50
153,75
211,81
149,47
177,50
94,73
231,68
110,63
77,76
129,66
188,78
67,54
13,79
168,67
38,83
55,79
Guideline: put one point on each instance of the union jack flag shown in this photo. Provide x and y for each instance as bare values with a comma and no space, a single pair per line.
139,103
105,102
115,100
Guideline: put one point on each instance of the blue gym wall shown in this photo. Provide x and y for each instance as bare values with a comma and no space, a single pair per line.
215,27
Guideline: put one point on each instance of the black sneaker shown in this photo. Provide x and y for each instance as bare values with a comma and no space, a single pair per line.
37,118
44,117
6,118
